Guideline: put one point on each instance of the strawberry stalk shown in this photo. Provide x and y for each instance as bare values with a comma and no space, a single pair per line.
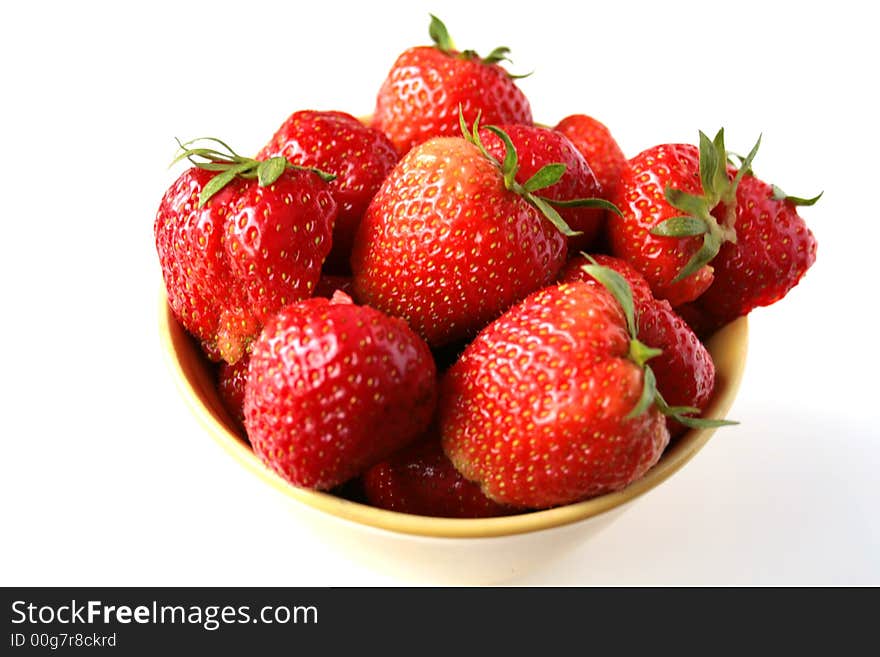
640,354
546,176
443,42
228,165
778,194
697,218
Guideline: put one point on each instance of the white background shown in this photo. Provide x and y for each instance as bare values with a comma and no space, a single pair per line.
106,479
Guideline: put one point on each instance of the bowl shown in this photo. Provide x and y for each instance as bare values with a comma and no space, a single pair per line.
430,550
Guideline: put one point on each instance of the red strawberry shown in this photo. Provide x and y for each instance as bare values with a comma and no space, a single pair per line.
420,479
359,156
700,322
677,203
684,369
451,240
544,406
537,147
334,388
595,142
773,251
238,242
574,270
231,380
554,402
428,85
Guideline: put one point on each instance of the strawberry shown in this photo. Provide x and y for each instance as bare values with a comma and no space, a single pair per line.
595,142
238,239
699,321
334,388
537,147
684,369
451,239
359,156
538,410
553,402
678,209
578,265
427,85
774,249
231,379
420,479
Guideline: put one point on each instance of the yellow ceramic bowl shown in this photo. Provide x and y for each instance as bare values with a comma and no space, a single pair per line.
444,550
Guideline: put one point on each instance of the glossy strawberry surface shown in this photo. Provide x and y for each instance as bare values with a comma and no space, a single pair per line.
536,409
595,142
420,479
773,251
537,147
446,246
359,156
230,264
641,197
421,96
684,370
334,388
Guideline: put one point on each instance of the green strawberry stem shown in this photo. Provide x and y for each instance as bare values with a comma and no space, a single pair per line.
697,218
440,35
443,42
546,176
228,164
648,396
640,353
779,195
683,415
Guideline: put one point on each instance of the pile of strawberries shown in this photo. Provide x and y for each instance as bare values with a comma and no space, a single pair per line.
450,310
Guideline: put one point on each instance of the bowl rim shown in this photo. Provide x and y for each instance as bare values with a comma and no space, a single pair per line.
729,365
